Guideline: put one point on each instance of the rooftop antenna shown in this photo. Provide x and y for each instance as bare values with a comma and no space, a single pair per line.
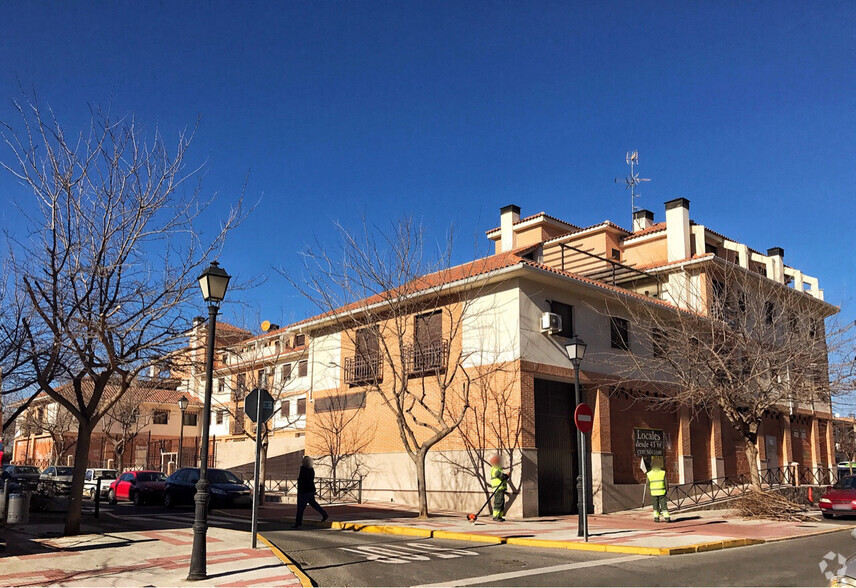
632,180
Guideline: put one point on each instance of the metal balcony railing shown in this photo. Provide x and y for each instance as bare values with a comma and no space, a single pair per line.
421,361
362,369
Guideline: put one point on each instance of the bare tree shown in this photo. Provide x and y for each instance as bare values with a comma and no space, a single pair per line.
338,422
746,346
493,427
401,308
123,422
109,264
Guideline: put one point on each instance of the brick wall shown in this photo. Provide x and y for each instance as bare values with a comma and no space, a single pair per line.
628,413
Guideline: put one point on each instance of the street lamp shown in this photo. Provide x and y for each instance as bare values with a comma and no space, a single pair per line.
213,282
182,406
576,349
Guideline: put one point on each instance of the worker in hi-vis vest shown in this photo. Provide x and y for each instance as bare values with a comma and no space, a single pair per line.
498,480
658,485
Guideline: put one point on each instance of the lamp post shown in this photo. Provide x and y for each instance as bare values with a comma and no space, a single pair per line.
182,405
576,349
213,282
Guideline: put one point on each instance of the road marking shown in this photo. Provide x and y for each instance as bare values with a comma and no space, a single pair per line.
494,578
408,553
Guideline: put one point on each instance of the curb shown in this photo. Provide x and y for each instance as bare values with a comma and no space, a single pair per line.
305,581
554,544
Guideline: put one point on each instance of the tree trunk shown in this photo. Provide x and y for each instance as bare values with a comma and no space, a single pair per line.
120,458
81,462
421,487
752,457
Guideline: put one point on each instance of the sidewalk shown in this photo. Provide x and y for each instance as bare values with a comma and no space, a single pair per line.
135,558
626,532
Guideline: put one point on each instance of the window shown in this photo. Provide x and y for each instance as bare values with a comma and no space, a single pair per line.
428,330
190,419
277,347
302,368
299,340
261,379
221,416
301,406
286,372
429,351
88,476
285,408
221,385
618,335
658,342
709,248
717,303
769,312
238,422
160,417
616,254
241,390
126,477
566,312
365,366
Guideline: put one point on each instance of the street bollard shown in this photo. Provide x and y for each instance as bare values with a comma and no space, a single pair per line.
97,495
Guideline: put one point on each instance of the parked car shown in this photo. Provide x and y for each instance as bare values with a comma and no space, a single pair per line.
226,488
91,481
840,498
21,477
56,479
139,487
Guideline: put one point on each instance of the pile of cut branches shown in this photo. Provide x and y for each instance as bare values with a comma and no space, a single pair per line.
755,504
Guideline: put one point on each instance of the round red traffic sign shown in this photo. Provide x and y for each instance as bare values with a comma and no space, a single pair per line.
584,418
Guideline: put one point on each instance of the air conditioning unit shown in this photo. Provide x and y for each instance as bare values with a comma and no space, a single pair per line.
551,323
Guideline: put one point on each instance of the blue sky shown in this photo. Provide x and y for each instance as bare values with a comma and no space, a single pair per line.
449,110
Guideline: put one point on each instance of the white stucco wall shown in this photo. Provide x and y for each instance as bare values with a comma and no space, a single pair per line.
490,327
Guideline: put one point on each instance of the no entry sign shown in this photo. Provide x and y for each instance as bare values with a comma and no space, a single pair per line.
584,418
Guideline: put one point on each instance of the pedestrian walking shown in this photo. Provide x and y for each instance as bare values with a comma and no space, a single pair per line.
498,481
658,485
306,492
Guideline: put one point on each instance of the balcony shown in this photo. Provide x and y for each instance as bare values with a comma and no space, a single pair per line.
422,361
361,369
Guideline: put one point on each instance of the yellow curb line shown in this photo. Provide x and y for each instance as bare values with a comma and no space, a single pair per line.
554,544
305,581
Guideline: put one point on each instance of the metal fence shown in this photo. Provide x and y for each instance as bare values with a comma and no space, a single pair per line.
328,490
702,491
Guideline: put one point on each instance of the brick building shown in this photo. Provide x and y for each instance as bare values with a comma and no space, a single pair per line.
545,265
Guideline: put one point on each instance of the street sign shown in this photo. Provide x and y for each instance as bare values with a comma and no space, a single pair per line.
584,418
648,442
252,410
259,407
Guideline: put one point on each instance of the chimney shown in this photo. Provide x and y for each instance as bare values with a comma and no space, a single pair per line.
642,219
776,264
508,215
678,229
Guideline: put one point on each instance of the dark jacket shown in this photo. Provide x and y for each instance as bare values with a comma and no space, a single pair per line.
306,480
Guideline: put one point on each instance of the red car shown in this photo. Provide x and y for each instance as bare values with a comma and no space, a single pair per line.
840,498
139,487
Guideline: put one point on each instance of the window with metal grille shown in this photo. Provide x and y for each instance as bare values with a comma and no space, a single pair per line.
160,417
286,372
284,408
302,368
301,406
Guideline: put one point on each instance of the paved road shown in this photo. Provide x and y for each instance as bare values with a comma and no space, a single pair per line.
344,558
341,558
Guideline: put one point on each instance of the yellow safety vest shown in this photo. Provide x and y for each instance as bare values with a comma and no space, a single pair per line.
495,478
657,482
